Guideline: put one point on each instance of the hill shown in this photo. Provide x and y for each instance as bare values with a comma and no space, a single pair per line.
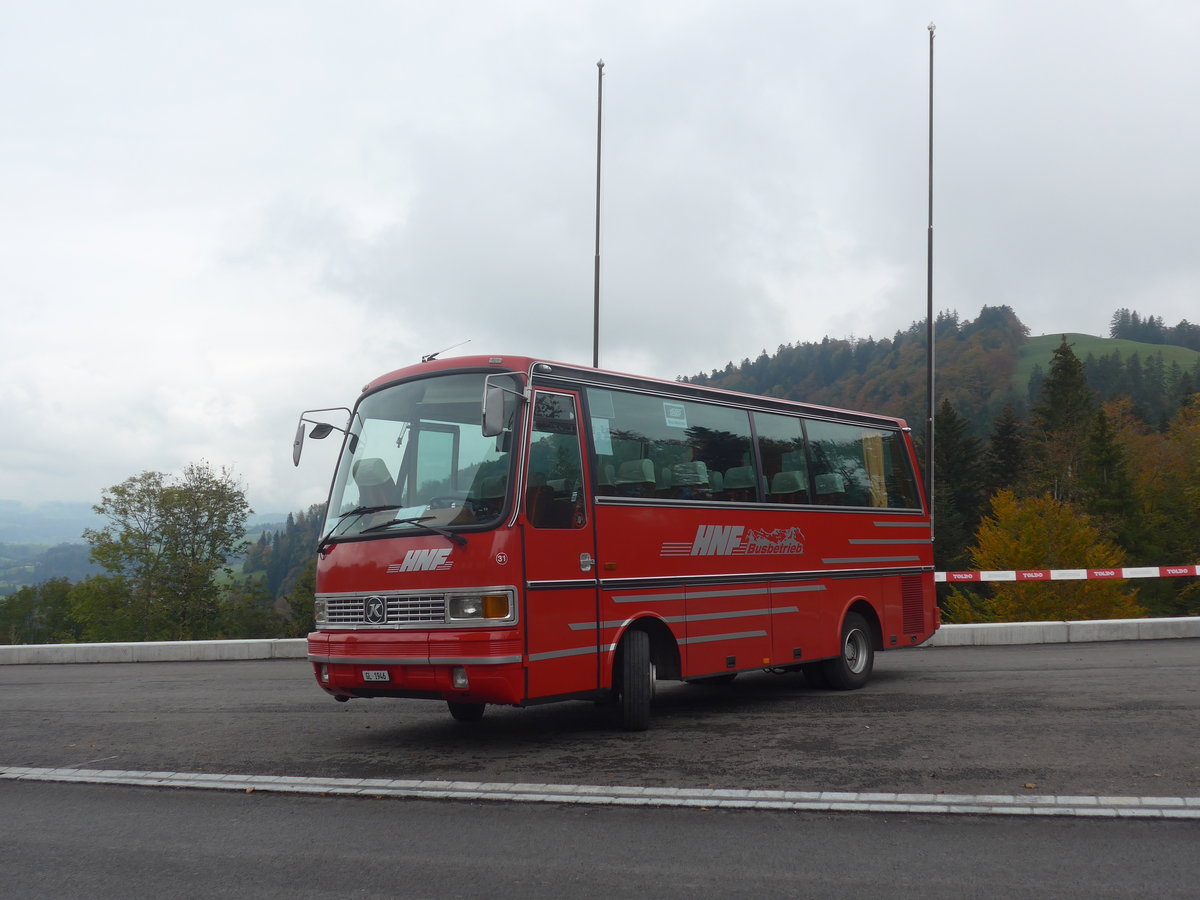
983,365
1038,351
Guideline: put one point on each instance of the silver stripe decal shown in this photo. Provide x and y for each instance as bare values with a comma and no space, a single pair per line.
647,598
472,660
799,588
560,654
871,559
562,583
698,595
733,614
754,591
901,524
709,638
891,540
416,660
704,617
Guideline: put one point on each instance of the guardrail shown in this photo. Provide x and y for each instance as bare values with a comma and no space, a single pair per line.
997,633
1068,574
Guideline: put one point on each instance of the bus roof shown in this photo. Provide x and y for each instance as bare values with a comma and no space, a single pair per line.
548,370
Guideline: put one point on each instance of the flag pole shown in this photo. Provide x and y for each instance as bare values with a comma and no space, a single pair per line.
929,301
596,279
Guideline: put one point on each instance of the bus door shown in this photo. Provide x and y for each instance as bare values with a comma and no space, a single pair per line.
561,605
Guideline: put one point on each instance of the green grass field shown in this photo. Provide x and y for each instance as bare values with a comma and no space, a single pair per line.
1039,351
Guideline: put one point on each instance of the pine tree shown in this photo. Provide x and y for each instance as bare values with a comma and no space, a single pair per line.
1059,428
1006,452
958,486
1106,486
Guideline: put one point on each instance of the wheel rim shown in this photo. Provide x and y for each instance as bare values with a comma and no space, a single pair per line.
856,652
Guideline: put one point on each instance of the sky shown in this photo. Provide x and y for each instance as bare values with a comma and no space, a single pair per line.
215,215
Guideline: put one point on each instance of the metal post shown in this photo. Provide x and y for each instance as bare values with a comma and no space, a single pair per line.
929,299
596,280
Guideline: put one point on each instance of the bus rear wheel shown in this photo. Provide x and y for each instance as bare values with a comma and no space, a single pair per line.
466,712
636,681
852,669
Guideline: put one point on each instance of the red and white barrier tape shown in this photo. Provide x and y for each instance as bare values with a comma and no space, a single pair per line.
1070,574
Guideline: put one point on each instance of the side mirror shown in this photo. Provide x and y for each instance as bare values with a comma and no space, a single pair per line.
298,443
319,430
493,410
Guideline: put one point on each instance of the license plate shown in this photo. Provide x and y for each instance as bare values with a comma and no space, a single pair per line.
375,675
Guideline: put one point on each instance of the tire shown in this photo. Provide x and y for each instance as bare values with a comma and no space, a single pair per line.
852,669
636,681
466,712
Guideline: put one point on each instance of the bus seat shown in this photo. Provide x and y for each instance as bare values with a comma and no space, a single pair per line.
793,461
636,478
689,481
739,477
716,481
831,488
789,487
375,484
739,483
691,473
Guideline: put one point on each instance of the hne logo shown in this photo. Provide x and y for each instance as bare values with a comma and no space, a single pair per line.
423,561
734,540
717,540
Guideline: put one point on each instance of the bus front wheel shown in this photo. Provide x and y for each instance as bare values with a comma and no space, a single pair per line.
852,669
637,681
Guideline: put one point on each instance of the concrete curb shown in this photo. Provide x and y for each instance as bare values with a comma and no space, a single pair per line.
154,651
992,634
702,798
999,633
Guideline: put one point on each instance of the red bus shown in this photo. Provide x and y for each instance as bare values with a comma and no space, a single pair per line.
512,531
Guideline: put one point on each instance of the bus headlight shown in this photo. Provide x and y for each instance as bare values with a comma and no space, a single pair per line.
491,606
319,615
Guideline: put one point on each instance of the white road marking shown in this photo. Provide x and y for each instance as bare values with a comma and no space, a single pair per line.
815,801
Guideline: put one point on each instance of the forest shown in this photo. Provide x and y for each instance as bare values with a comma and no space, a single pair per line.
1080,463
1043,458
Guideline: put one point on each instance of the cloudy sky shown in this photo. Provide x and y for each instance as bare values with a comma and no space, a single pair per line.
217,214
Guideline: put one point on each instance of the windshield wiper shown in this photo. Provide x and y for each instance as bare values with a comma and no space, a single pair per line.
420,522
363,510
360,511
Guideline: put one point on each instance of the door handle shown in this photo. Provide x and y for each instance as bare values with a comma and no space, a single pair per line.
586,562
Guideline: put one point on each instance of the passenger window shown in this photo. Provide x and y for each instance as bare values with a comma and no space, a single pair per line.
654,447
554,487
785,465
855,465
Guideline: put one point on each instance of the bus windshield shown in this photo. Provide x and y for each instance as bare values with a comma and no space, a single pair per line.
420,462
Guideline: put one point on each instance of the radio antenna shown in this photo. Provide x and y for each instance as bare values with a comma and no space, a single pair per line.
430,357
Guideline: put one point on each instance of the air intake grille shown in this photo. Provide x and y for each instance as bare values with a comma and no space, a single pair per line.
912,595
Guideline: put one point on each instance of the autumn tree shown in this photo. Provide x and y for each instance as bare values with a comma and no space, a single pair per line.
166,542
1043,533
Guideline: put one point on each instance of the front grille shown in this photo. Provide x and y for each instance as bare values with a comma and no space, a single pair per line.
407,610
